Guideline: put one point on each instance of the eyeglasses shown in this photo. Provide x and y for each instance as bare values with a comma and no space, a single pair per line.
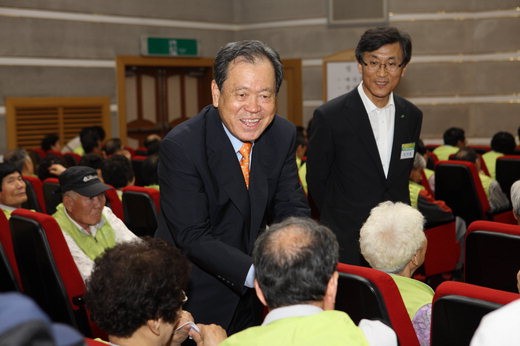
184,297
374,66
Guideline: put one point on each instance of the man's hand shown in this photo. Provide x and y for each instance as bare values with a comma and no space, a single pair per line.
210,335
183,327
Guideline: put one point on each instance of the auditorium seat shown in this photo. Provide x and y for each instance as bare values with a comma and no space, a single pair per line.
458,308
114,203
366,293
8,250
140,208
492,255
34,191
458,184
51,194
507,172
443,250
47,269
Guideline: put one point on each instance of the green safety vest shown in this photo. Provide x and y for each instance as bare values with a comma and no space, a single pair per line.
92,246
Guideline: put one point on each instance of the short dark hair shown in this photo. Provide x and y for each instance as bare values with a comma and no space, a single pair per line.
17,158
375,38
503,142
112,145
134,282
46,163
453,135
7,168
90,137
117,171
249,50
48,141
91,160
152,143
294,261
149,170
466,154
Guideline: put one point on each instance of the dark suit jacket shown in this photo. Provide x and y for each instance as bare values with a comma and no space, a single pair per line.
345,175
207,211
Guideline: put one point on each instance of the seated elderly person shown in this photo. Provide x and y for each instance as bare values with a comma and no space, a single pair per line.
21,159
89,227
392,240
136,292
12,188
295,276
515,200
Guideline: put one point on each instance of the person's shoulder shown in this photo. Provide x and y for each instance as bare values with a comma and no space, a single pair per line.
247,336
404,103
280,123
190,127
340,101
499,327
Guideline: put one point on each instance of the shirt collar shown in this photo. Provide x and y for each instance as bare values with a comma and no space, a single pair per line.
299,310
369,105
235,142
6,207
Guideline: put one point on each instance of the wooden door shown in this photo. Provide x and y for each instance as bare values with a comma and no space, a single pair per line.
155,94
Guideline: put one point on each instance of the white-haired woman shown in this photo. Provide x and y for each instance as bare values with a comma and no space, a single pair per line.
392,240
515,200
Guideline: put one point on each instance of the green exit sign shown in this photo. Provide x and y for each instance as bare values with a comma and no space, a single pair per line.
164,46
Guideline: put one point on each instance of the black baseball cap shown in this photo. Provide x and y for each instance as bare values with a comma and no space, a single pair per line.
83,180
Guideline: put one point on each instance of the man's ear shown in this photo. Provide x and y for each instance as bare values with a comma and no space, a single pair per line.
154,326
403,70
215,93
329,299
259,293
66,200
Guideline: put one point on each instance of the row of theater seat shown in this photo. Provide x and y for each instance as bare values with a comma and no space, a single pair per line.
35,259
456,310
492,260
37,262
457,183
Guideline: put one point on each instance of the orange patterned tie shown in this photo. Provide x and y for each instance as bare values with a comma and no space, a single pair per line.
245,150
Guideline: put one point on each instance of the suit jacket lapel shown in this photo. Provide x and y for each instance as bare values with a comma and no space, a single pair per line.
399,127
258,186
223,163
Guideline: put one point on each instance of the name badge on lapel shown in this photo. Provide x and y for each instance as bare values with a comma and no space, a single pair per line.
407,150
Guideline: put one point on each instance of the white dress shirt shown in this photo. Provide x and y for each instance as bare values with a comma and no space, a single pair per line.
382,122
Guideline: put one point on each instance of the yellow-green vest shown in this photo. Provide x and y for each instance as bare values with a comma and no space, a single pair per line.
415,293
92,246
443,152
331,328
490,159
415,189
486,182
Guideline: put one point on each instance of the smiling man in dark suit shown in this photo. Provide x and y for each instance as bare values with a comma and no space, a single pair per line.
216,198
362,144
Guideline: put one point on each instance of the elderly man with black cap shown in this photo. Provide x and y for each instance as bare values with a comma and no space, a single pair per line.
89,227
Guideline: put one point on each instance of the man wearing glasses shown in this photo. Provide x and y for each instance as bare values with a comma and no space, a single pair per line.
362,144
